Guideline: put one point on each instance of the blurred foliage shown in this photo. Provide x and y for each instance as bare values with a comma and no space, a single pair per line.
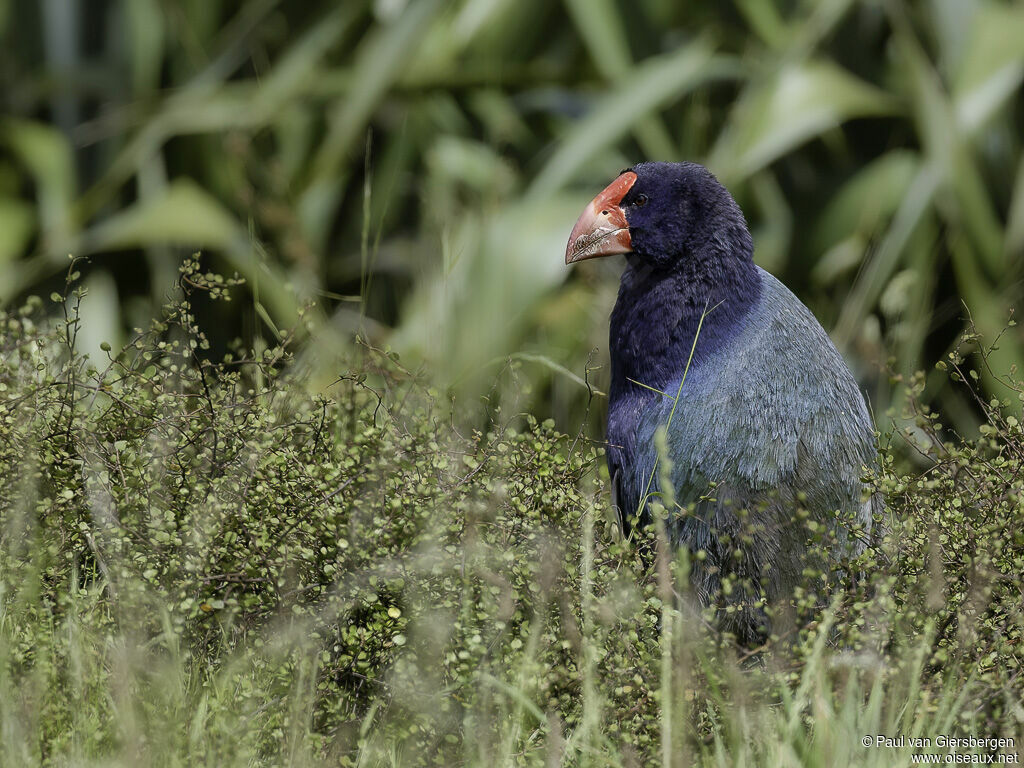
414,166
201,563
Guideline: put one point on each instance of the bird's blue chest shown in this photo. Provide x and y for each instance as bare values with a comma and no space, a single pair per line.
674,392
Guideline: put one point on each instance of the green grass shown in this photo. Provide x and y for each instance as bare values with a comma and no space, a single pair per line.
203,564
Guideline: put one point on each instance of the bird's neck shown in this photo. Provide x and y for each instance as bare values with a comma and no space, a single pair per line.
655,323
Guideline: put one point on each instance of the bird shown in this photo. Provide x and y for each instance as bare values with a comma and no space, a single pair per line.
766,432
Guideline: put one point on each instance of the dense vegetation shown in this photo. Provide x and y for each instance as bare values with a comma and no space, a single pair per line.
203,563
415,167
319,514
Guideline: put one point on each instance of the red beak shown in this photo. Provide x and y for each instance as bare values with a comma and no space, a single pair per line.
602,229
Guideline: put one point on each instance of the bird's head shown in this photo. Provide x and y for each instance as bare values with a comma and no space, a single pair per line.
666,214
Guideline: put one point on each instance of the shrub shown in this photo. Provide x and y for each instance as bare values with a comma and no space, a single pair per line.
202,561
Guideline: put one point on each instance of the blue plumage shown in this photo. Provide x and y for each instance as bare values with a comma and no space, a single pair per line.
769,419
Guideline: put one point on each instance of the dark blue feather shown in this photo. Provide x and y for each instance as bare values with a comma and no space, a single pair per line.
769,418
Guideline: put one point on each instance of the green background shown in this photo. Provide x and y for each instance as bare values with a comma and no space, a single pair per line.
414,167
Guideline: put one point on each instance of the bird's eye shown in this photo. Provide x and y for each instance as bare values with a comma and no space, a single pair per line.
641,201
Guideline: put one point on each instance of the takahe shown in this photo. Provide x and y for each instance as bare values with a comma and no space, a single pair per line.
766,427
